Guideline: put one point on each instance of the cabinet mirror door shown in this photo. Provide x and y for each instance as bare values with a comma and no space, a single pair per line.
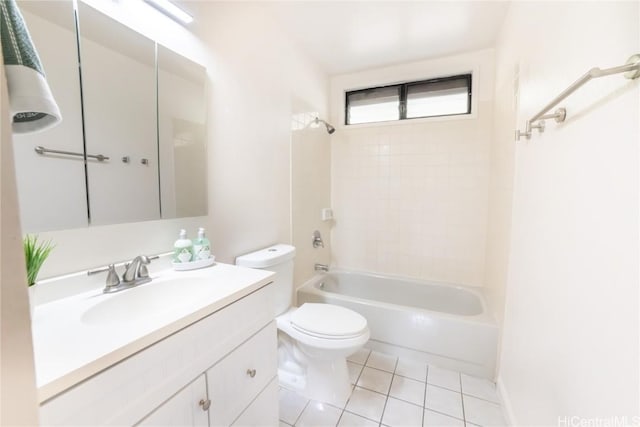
181,132
119,100
134,121
52,188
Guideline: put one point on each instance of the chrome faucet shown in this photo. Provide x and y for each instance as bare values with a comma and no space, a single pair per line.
136,269
135,274
321,267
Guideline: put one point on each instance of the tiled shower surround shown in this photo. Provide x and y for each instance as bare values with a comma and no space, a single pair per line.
412,199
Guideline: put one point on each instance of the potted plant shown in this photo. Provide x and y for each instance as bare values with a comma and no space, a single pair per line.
35,254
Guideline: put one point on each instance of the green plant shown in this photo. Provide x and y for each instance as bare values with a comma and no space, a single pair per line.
35,254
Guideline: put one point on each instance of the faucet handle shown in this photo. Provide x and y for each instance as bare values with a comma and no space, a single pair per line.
317,240
143,271
112,277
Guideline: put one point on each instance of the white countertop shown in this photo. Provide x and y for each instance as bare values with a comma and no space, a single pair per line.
80,335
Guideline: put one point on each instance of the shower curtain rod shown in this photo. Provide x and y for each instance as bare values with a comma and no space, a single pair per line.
631,70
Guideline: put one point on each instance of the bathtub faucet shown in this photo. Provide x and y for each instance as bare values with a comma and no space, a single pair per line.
321,267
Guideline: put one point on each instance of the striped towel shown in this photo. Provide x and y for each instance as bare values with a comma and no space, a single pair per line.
30,99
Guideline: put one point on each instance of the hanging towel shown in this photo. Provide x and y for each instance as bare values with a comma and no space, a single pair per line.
30,100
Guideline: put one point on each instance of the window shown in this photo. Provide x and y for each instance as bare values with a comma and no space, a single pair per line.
445,96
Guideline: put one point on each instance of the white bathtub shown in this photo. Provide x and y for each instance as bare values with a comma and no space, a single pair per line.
446,325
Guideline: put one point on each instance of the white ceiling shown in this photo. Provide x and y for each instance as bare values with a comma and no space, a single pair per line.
351,35
344,36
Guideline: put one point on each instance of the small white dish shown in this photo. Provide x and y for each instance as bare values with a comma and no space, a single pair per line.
193,265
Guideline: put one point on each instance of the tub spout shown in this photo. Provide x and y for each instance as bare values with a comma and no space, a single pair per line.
321,267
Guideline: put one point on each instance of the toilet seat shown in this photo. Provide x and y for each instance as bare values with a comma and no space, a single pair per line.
320,340
328,321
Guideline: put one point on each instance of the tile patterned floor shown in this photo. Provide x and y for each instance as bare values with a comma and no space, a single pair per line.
395,392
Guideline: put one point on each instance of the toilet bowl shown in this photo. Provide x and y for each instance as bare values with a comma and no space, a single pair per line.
314,340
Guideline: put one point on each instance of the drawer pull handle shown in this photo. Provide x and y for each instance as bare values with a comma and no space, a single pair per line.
251,372
204,404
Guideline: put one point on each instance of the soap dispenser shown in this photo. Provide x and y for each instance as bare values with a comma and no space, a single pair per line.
201,246
183,249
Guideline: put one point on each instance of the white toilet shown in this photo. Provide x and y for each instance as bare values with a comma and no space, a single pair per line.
314,340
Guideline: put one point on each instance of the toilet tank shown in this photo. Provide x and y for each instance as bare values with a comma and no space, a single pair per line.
279,259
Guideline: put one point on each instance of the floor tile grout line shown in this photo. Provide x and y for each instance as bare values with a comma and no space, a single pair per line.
381,370
301,412
480,398
464,418
354,385
424,407
393,397
401,399
424,394
384,408
409,378
339,418
443,387
394,373
365,360
440,412
444,413
368,356
362,416
371,390
344,408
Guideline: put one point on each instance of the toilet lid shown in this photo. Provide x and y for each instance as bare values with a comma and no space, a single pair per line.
327,320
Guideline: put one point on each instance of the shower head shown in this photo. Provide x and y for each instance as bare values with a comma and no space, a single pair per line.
330,129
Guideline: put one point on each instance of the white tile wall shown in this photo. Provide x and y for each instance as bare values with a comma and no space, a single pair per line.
412,200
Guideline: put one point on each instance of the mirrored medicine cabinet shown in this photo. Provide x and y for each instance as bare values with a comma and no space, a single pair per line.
132,138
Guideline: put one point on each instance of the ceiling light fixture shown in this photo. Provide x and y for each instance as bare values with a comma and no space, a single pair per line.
171,10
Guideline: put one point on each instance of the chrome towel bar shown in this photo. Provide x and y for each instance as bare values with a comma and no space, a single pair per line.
631,70
41,150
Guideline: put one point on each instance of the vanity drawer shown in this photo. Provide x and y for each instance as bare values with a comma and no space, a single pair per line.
238,378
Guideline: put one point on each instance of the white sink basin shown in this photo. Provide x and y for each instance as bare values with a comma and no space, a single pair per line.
79,335
153,299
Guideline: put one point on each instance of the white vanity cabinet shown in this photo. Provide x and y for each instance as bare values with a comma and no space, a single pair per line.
227,360
236,381
186,408
238,390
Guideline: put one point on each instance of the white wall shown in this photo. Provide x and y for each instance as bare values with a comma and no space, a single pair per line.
570,344
18,399
500,186
410,198
259,73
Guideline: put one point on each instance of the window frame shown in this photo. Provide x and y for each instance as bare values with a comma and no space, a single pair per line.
403,90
